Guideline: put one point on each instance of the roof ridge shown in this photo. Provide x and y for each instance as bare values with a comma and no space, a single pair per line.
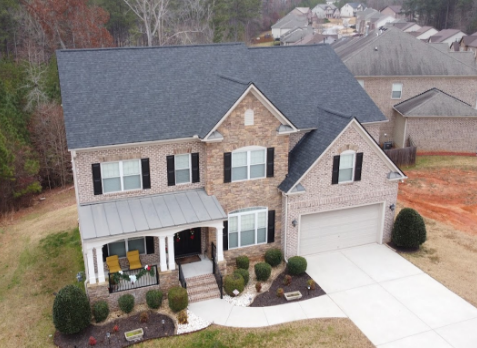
234,79
430,44
367,44
149,47
439,91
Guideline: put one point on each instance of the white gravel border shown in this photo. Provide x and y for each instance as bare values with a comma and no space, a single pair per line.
195,323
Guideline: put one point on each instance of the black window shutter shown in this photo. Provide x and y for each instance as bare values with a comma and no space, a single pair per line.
195,167
271,226
171,177
97,184
336,170
270,161
227,167
105,252
146,177
149,245
225,236
358,166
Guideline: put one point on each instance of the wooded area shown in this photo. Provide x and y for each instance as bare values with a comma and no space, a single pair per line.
33,150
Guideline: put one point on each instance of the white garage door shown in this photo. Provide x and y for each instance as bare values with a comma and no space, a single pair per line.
339,229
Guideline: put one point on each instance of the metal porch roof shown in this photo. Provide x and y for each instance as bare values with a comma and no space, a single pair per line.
148,213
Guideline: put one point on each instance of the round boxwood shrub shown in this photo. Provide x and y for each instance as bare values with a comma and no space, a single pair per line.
71,310
100,311
245,275
273,257
178,299
409,229
126,303
296,265
242,262
263,271
154,299
232,282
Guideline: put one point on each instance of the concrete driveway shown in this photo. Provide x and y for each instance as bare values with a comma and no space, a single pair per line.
393,302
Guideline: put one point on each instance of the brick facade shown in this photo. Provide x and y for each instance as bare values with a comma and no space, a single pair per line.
379,89
321,196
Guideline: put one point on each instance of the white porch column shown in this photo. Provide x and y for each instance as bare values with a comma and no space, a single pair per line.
162,253
172,254
91,274
99,262
220,243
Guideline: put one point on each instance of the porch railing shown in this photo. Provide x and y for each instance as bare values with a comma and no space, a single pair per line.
215,268
123,284
181,277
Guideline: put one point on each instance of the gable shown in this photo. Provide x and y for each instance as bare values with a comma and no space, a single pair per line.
360,137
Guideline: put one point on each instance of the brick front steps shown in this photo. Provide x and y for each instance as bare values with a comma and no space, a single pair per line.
203,287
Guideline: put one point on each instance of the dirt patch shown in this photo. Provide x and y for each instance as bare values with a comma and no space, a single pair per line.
298,283
446,194
153,328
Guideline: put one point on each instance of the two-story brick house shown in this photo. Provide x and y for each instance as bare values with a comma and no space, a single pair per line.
176,148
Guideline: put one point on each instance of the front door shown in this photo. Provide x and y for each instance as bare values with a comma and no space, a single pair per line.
187,242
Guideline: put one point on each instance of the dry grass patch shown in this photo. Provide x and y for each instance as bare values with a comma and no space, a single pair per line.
336,333
425,162
449,256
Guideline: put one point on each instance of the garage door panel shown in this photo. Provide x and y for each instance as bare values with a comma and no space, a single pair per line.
339,229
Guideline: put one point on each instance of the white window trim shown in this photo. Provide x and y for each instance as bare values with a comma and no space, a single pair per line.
121,176
249,149
190,169
125,241
238,214
392,90
348,152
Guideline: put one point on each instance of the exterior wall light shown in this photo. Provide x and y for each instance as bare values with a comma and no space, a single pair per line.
392,207
294,222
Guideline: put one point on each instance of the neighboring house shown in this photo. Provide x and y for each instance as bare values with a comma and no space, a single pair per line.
436,121
296,35
351,8
469,43
220,150
394,66
379,22
393,11
363,19
326,11
424,33
408,27
447,36
299,17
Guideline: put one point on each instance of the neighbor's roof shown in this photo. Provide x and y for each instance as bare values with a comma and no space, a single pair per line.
148,213
444,35
355,5
296,34
436,103
295,18
470,40
395,8
395,53
133,95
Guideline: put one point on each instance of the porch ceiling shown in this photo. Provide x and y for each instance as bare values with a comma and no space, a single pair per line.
148,213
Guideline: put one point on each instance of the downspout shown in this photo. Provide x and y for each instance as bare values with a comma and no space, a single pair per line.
285,227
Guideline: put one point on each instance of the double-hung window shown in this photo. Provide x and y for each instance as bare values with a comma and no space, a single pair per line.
121,176
346,167
121,247
247,227
182,168
248,165
397,91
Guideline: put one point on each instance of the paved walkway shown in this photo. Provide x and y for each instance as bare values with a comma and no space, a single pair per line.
391,301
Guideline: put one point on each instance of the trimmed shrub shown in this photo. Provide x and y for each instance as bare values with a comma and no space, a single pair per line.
100,311
409,229
154,299
143,317
71,310
182,317
296,265
258,287
274,257
280,292
232,282
263,271
311,283
126,303
244,273
178,299
287,280
242,262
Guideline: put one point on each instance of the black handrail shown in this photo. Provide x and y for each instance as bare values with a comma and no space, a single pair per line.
215,269
181,277
123,285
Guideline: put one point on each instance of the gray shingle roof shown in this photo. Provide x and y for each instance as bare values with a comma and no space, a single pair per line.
435,102
398,54
295,18
444,34
132,95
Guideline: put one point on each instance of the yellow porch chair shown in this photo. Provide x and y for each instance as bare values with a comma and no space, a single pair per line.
134,261
113,264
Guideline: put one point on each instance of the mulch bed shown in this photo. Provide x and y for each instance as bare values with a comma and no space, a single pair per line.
270,298
152,329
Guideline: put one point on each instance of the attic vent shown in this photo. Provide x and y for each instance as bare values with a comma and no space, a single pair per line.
249,117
